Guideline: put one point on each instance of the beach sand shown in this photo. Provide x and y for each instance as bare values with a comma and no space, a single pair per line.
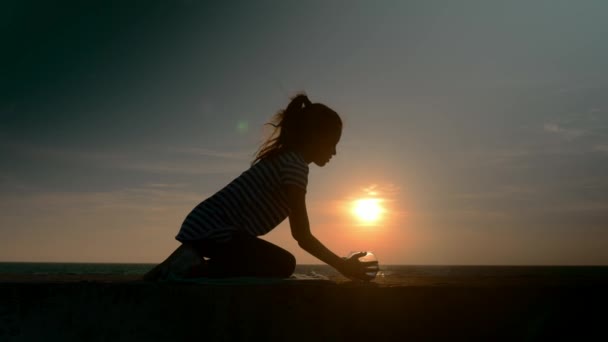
124,308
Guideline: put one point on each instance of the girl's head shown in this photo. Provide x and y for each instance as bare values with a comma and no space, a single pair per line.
313,129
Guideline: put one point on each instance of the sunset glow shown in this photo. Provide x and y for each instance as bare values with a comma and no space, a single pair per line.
367,210
470,132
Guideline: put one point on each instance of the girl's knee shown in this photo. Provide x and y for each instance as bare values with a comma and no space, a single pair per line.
288,265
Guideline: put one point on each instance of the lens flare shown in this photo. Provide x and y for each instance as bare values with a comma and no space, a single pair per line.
242,126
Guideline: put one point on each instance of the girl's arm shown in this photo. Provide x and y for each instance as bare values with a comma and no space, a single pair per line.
300,230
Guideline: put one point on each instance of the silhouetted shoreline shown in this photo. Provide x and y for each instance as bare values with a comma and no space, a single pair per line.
123,308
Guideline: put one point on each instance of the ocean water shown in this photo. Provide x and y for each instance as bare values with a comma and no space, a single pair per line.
386,272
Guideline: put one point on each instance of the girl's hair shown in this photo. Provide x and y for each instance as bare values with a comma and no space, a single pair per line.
297,126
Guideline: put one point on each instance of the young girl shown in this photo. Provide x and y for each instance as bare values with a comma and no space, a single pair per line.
220,235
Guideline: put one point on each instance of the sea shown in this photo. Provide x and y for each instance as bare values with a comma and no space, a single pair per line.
386,272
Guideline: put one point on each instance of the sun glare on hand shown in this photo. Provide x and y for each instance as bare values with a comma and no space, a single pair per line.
367,210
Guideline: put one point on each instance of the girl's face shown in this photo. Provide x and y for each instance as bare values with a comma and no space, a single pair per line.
324,148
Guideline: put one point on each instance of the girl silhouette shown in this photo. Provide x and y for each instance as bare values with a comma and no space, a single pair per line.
220,235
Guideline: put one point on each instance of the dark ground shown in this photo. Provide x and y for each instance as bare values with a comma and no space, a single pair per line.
125,309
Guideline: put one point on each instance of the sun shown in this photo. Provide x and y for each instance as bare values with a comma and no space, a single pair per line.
367,210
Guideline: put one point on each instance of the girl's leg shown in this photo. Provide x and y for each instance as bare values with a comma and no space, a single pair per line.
246,256
180,262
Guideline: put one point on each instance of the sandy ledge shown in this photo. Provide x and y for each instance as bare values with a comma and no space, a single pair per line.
123,308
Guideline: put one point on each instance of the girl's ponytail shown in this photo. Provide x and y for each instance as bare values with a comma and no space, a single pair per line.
291,118
297,104
294,125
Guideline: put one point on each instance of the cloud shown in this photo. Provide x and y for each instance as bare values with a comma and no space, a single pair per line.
584,206
167,185
64,209
501,157
502,192
601,148
567,133
198,151
388,190
181,167
135,224
10,183
149,159
62,153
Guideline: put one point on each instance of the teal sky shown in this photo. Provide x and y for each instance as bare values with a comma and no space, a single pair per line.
483,125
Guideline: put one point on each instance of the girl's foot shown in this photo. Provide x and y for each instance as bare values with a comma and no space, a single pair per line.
153,274
179,264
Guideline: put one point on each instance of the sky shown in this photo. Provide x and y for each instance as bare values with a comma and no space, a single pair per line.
481,126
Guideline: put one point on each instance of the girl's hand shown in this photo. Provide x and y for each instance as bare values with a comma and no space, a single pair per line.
354,269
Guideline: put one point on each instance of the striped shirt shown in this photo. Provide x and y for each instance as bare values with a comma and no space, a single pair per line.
253,203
